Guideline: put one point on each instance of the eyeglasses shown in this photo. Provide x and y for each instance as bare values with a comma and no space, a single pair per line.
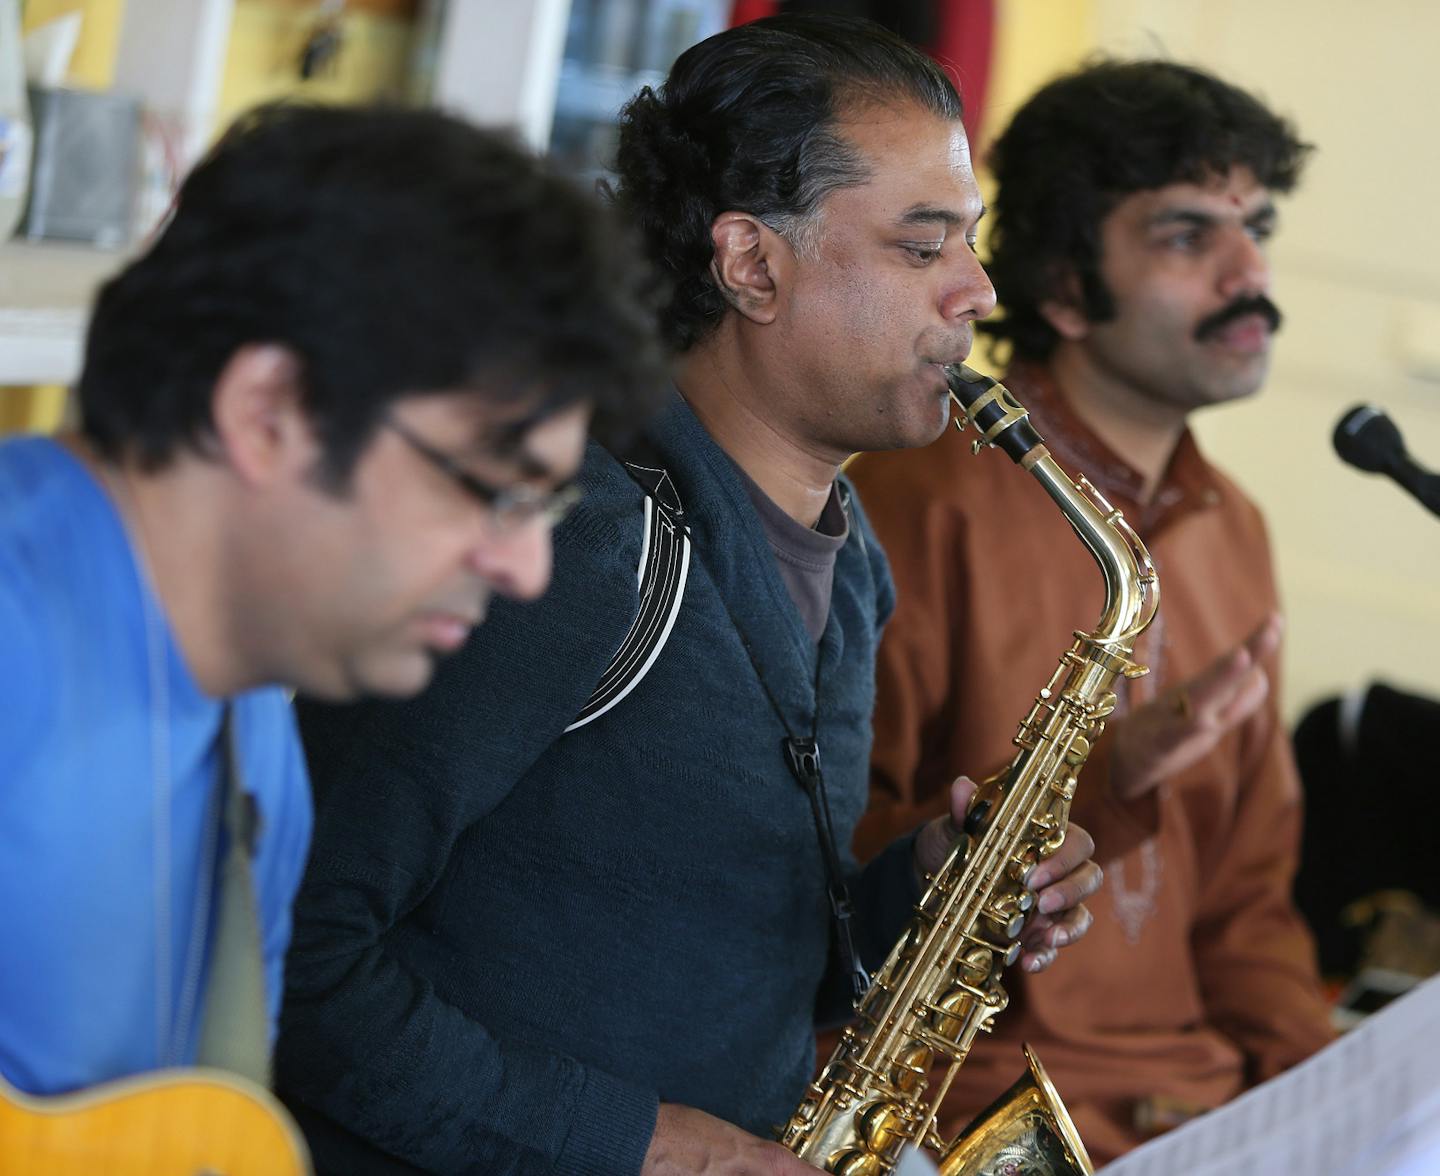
509,507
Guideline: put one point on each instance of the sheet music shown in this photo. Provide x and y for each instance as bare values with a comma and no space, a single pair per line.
1366,1105
914,1162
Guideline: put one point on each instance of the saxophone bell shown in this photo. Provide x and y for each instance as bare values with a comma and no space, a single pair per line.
1026,1130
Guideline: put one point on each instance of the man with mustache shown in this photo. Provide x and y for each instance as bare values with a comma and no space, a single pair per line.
529,946
1134,204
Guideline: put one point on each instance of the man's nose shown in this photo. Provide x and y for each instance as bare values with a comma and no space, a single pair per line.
515,562
1246,268
968,295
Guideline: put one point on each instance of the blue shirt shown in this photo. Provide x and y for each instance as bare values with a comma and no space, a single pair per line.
109,826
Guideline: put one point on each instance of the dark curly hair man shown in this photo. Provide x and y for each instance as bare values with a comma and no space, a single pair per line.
331,412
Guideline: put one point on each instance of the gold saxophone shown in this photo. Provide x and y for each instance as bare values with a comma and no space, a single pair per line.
941,982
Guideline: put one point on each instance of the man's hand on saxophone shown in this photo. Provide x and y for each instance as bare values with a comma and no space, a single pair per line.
688,1141
1061,883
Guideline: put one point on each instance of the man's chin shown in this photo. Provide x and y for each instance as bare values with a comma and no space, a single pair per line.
929,430
1240,385
396,675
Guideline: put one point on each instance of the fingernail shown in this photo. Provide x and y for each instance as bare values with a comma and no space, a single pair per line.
1050,902
1060,938
1041,961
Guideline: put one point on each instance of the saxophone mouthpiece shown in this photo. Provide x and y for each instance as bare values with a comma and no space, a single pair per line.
966,384
998,417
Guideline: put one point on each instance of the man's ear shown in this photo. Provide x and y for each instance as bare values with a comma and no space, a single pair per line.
1066,311
258,408
751,261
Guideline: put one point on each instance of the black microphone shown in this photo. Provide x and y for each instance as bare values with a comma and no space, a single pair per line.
1368,440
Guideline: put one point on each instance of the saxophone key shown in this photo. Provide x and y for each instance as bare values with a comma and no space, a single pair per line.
1007,951
948,1013
1046,826
882,1126
975,966
1007,913
1104,706
1021,863
854,1162
908,1073
1063,788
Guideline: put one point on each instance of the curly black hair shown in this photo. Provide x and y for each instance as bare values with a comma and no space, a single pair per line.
1086,141
747,120
395,252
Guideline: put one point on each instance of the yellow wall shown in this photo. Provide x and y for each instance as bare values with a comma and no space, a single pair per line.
1034,41
31,410
93,65
265,41
266,38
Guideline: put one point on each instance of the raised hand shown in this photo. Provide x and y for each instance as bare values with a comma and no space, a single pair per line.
1184,723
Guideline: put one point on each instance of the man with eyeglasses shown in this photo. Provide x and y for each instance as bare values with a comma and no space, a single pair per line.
325,418
543,935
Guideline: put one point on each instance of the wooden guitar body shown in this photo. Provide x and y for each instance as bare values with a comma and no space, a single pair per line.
191,1122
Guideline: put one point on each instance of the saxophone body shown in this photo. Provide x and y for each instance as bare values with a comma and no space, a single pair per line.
941,984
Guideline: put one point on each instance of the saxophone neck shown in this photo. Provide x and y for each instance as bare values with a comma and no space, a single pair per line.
1131,589
1132,592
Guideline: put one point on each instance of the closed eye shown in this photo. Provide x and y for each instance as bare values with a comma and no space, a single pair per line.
923,253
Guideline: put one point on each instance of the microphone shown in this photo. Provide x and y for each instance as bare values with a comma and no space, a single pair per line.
1368,440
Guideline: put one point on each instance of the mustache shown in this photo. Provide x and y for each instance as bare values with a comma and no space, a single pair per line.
953,351
1250,304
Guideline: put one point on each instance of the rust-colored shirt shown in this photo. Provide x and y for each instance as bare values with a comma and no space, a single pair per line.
1198,976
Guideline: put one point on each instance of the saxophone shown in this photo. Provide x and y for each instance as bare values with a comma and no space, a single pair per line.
941,983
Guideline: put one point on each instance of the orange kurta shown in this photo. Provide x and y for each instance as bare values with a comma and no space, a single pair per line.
1198,976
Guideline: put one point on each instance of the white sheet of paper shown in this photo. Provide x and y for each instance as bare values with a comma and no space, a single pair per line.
914,1162
1367,1105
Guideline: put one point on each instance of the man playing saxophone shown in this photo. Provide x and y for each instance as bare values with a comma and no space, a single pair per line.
1133,207
526,949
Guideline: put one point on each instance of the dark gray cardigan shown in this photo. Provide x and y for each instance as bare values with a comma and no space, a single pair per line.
512,943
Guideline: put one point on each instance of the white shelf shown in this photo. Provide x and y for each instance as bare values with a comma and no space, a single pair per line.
45,294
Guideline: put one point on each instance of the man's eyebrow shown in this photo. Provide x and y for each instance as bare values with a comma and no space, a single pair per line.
929,214
1183,216
506,443
1204,220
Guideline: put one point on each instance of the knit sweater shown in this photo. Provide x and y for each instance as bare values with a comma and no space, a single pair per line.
513,942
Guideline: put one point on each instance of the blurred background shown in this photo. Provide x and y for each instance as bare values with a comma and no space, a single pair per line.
125,93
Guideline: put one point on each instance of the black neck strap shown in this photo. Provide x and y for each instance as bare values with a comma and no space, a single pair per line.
802,757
